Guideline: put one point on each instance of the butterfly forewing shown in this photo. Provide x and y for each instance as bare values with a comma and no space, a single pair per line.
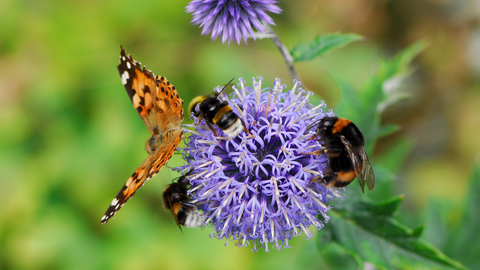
140,85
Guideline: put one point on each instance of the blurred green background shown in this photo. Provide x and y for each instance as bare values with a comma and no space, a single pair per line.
70,138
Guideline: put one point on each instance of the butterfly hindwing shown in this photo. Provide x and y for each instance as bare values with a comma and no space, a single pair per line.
169,104
137,180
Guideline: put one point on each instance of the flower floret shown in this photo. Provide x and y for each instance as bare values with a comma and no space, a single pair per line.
257,187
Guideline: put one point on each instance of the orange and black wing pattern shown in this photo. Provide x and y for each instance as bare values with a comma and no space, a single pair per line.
160,108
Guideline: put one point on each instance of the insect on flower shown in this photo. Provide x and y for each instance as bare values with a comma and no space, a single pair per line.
218,112
343,143
176,199
254,188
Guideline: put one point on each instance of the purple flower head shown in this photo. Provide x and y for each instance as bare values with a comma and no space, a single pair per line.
232,19
256,187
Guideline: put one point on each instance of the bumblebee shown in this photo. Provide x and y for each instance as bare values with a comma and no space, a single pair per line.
343,143
176,199
198,100
218,112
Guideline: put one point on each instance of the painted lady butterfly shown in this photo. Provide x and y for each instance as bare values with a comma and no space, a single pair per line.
158,104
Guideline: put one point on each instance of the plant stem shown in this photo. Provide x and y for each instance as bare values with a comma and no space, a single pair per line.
283,50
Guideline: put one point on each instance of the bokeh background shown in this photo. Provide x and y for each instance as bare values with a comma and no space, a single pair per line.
70,138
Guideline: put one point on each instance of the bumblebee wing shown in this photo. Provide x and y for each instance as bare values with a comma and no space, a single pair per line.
361,163
366,171
175,209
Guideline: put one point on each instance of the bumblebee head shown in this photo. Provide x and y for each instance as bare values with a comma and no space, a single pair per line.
326,125
200,101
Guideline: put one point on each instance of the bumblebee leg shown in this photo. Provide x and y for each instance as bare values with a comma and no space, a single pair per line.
318,152
245,127
316,179
200,118
212,129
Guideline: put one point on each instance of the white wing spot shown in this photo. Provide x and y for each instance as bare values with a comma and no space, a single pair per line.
128,65
104,217
123,58
125,77
114,201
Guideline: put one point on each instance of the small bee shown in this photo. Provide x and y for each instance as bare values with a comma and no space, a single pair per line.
176,199
218,112
343,143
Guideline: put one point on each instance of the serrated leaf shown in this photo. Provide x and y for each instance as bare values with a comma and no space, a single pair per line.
368,230
387,129
392,100
463,241
365,106
321,45
417,232
394,157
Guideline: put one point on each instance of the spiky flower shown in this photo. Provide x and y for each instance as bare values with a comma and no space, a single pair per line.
256,188
232,19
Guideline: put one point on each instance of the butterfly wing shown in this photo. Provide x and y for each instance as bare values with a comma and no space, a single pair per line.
361,163
137,180
140,85
168,107
148,169
160,108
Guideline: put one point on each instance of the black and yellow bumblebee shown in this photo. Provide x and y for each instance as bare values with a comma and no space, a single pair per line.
343,143
177,200
217,112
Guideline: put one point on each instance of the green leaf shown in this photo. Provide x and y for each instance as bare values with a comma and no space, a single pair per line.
368,230
463,242
321,45
380,91
393,157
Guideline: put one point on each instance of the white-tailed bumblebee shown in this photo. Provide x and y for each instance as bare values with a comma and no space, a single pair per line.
218,112
343,143
198,100
176,199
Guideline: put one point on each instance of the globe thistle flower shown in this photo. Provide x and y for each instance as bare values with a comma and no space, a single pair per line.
255,188
232,19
